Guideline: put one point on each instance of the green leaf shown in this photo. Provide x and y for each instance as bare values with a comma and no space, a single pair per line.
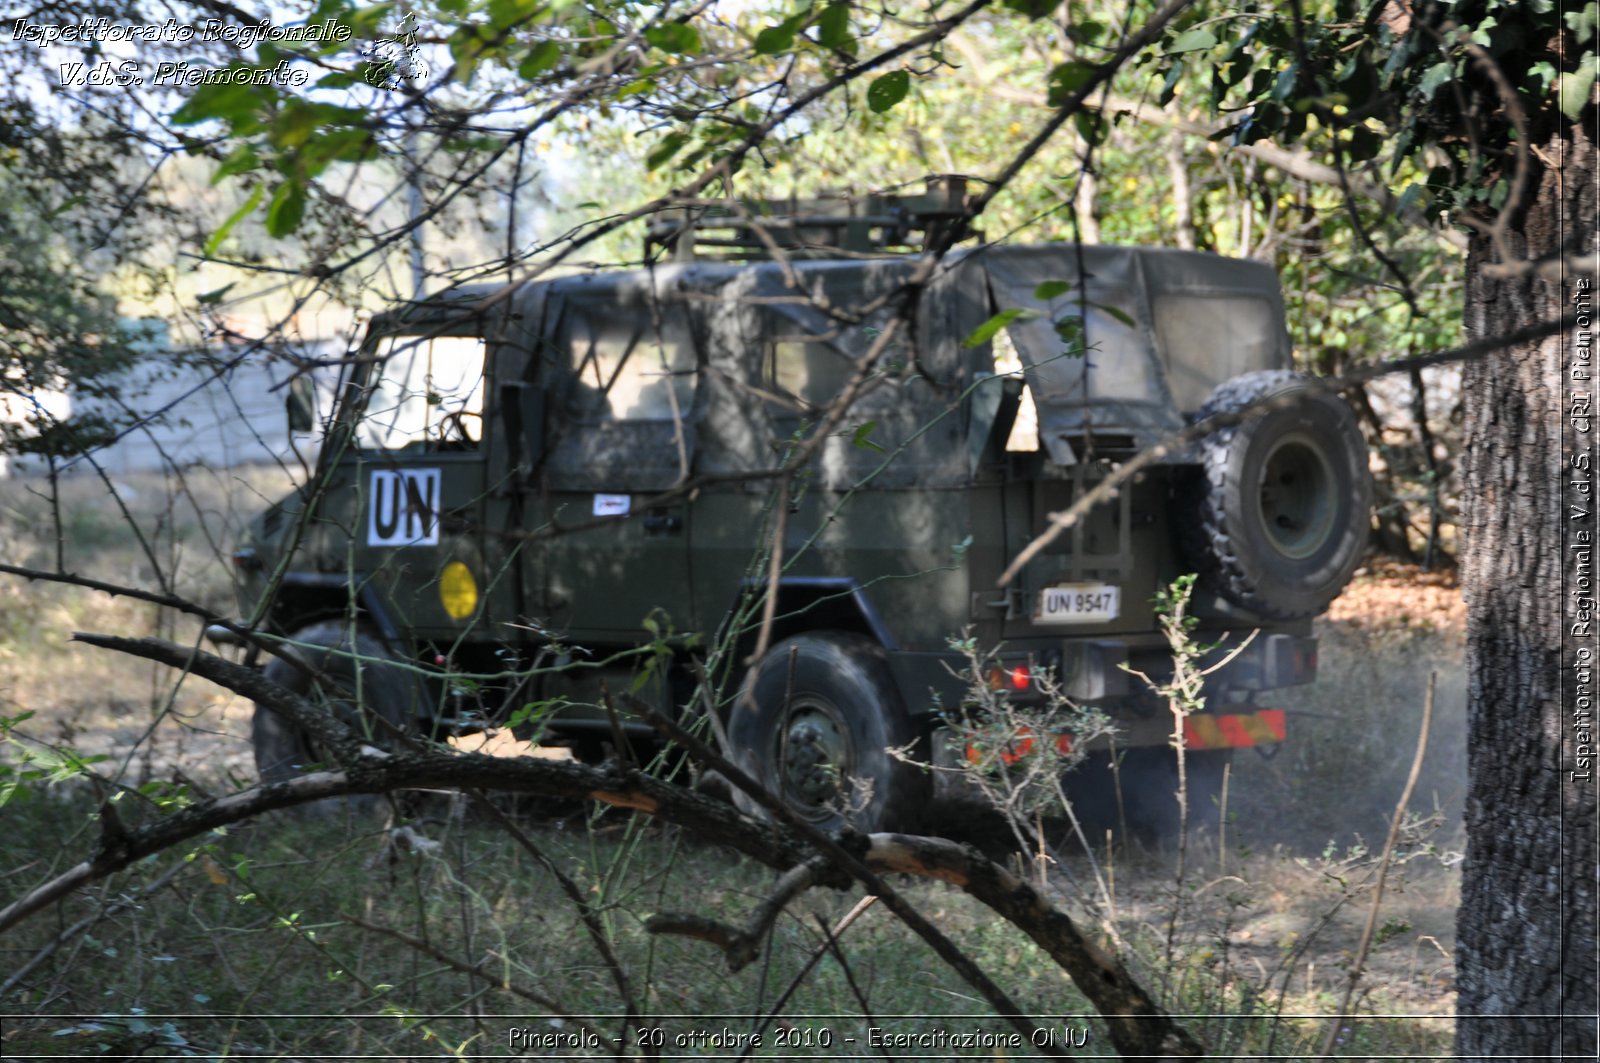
1032,8
241,159
512,14
987,331
1116,312
665,150
833,28
1583,24
1195,40
888,90
230,103
1283,85
339,145
1086,31
859,438
1574,89
1436,76
775,39
244,211
1411,197
1051,289
1070,331
1088,123
675,38
540,57
1169,84
1066,79
288,206
295,125
1364,144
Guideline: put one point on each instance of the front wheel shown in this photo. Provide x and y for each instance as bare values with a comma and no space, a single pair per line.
816,725
359,681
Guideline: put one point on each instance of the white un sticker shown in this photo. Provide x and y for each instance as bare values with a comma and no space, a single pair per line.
612,505
403,508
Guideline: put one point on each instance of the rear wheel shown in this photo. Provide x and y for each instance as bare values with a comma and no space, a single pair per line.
815,726
364,694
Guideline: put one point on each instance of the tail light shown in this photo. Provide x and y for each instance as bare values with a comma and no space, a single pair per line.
1014,677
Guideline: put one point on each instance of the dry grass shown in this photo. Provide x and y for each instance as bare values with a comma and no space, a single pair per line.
1352,734
99,703
1268,929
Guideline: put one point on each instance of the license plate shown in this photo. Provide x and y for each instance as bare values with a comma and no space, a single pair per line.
1078,603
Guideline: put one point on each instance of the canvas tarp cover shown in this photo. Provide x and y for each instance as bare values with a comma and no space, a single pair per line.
909,421
1135,306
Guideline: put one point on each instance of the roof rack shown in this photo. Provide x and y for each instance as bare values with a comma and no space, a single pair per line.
838,226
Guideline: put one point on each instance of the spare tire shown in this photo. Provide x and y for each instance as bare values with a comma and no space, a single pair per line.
1280,513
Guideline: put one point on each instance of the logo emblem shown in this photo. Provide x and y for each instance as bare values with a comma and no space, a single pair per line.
394,62
403,507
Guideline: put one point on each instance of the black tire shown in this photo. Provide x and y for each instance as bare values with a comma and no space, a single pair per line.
387,691
1281,512
826,752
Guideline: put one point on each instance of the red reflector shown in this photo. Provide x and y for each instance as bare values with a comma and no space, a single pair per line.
1264,727
1018,748
1020,677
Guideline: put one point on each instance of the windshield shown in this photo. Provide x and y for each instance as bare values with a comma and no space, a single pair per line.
422,390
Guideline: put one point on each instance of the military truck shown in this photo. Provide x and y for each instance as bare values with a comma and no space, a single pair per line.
520,486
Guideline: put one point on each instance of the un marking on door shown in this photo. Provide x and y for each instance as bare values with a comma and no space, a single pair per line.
403,508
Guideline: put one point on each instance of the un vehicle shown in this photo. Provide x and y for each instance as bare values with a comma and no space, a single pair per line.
519,486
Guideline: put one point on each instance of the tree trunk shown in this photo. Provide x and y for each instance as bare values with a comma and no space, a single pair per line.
1526,929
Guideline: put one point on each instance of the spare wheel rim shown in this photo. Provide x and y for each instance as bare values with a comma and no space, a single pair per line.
1296,496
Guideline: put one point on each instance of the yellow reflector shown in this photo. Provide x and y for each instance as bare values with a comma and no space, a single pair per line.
458,591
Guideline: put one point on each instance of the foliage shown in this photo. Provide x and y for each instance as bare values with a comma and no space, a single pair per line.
1443,87
55,328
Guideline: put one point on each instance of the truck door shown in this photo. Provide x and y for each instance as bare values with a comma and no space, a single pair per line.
418,479
621,392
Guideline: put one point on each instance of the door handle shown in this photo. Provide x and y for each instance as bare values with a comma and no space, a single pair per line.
659,523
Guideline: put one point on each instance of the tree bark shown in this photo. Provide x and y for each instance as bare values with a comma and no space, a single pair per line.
1526,928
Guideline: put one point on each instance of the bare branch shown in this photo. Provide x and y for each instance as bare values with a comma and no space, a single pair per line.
1138,1025
742,945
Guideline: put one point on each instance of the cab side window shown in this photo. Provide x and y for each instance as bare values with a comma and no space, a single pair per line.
624,382
808,370
625,368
